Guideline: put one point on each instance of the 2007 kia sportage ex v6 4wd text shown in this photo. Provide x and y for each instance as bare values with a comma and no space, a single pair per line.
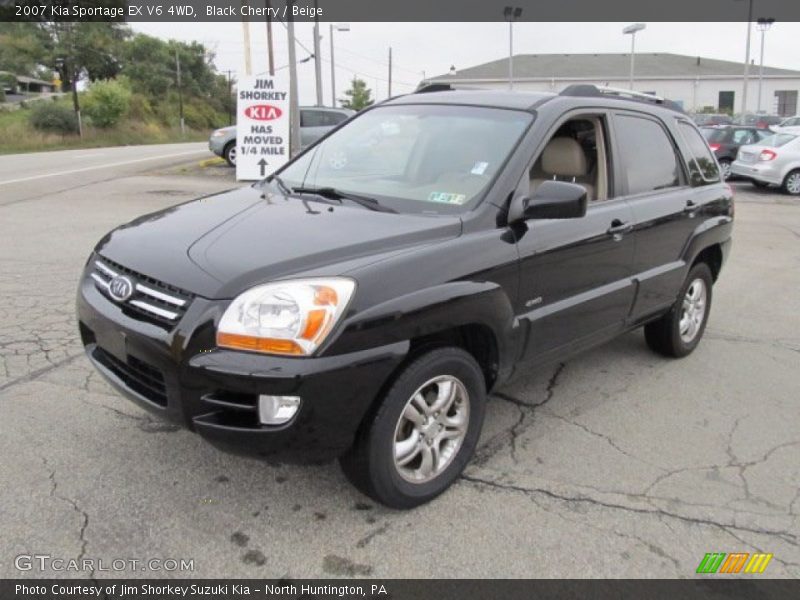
362,302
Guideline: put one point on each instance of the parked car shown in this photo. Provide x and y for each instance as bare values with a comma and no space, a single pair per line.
364,308
773,161
315,121
757,120
711,119
790,122
725,141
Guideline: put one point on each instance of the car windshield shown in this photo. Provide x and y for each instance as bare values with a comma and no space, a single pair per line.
777,140
413,158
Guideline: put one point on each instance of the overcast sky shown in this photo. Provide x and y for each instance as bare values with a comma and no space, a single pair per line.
434,47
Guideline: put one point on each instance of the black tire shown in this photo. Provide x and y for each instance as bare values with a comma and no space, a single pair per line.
791,183
725,168
229,153
664,335
370,463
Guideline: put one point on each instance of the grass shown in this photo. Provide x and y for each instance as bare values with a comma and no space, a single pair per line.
17,135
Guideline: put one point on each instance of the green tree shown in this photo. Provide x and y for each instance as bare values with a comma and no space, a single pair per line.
358,96
22,48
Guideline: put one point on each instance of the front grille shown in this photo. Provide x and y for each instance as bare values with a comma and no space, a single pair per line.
151,300
136,374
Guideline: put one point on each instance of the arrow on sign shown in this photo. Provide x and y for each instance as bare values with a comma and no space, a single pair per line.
263,164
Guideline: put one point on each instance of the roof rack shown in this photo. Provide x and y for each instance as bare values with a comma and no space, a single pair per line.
436,86
583,90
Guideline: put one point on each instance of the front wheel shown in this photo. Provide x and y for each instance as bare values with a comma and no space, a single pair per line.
229,154
423,433
678,332
791,185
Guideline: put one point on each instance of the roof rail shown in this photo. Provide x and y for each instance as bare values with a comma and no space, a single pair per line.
440,86
582,90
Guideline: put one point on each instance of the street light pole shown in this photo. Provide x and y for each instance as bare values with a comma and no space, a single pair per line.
338,27
511,13
294,103
631,30
763,26
180,90
317,56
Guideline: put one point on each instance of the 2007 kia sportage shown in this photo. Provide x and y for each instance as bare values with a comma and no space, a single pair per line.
361,302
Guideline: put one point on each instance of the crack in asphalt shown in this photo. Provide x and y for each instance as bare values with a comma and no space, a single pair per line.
82,513
28,377
789,538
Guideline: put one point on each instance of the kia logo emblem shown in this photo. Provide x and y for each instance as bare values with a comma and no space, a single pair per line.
262,112
120,288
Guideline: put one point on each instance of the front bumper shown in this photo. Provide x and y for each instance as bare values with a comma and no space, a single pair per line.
181,376
217,144
764,171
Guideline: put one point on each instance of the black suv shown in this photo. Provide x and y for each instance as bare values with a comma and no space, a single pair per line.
363,301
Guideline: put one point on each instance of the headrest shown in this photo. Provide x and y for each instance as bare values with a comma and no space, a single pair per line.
563,156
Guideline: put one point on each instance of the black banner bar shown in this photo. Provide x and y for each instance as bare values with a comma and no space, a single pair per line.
393,10
728,587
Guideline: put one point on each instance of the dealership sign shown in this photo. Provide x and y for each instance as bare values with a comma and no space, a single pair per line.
262,126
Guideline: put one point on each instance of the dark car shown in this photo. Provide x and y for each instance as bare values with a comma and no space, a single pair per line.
362,305
725,142
703,119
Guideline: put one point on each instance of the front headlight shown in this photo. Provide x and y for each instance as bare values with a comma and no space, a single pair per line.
285,317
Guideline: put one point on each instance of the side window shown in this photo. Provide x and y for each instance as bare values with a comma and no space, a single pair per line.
743,136
334,118
702,166
312,118
648,158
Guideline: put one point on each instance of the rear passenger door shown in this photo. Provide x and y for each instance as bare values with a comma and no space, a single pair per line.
656,187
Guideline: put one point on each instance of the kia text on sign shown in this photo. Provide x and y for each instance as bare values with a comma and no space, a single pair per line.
262,126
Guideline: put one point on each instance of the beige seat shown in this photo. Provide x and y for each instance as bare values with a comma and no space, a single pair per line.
563,159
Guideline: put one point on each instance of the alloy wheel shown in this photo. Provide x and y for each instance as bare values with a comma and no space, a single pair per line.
793,183
431,429
693,310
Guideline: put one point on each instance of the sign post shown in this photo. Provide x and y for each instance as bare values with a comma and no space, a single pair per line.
262,126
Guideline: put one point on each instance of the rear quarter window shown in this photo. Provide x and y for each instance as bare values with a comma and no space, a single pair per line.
648,156
697,155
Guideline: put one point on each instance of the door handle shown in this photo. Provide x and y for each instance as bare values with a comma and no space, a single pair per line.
619,227
691,207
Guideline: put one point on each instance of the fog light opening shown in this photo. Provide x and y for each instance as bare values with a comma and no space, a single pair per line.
277,410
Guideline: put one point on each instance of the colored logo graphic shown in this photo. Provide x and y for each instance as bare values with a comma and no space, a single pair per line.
263,112
736,562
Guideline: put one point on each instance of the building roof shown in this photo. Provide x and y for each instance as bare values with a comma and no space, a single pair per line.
606,66
25,79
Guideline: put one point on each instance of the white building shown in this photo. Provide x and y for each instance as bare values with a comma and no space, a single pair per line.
694,82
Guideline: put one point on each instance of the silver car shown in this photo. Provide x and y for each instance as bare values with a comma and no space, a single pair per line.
773,161
315,121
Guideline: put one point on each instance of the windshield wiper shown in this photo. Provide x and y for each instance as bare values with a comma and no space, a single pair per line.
334,194
284,188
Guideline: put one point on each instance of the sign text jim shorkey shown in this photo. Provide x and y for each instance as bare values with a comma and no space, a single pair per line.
174,590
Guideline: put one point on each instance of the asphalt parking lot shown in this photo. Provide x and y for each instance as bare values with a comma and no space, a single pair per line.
618,463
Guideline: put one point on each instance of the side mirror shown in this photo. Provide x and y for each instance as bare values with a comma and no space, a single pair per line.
556,200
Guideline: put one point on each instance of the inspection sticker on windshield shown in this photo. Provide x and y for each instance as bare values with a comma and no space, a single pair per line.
479,168
447,198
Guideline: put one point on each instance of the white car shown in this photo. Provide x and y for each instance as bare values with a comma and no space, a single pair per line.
773,161
790,122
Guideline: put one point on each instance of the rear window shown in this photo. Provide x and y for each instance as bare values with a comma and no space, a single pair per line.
647,153
698,157
777,140
714,135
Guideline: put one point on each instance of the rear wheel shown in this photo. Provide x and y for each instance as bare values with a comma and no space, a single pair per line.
679,331
791,185
424,432
229,154
725,168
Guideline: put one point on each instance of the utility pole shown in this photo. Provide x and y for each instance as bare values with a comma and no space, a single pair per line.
390,72
333,73
248,69
294,104
747,56
317,56
230,98
269,39
180,90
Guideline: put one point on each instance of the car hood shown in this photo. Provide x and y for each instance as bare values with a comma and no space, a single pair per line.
220,245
